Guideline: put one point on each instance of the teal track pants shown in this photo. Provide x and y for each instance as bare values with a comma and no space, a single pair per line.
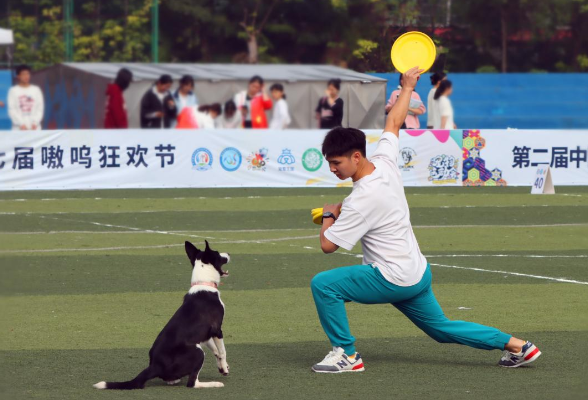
366,285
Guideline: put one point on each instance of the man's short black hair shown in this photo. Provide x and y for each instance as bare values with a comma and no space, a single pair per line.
165,79
256,78
21,68
343,142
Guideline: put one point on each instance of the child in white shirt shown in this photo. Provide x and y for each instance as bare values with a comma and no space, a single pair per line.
281,115
25,102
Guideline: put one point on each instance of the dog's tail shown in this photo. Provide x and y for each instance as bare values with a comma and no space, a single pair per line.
137,383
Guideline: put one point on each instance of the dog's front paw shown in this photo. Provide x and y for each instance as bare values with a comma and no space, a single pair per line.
223,368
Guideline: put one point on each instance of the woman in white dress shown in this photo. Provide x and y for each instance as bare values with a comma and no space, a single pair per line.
281,115
436,79
443,107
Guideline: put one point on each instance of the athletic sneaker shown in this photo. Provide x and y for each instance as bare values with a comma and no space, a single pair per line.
337,361
528,354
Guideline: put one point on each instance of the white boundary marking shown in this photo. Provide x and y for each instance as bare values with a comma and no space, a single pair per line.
550,278
186,232
124,227
564,280
277,209
162,246
508,255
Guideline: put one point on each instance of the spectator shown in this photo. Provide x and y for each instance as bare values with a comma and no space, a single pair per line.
230,118
415,107
116,110
213,111
253,103
281,116
193,117
158,108
444,110
25,102
184,96
436,79
329,111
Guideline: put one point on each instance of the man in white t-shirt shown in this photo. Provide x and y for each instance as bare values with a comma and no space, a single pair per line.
25,102
394,270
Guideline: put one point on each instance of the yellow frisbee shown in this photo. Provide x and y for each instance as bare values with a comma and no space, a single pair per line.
413,49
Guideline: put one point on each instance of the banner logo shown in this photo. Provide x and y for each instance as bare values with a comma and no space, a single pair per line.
443,170
258,160
230,159
407,155
201,159
286,159
312,160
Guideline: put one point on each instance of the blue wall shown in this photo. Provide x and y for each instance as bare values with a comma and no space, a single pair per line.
524,101
5,83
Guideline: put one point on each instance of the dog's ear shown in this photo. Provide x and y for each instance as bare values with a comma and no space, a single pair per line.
207,246
191,251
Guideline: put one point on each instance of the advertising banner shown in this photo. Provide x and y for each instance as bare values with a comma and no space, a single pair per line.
98,159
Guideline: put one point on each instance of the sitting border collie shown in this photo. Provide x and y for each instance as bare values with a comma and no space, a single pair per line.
177,351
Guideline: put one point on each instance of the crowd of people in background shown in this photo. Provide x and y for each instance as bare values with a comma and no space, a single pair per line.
180,109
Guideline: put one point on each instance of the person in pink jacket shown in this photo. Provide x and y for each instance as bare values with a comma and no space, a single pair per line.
416,107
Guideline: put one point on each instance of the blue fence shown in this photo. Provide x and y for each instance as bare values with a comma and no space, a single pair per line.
5,83
524,101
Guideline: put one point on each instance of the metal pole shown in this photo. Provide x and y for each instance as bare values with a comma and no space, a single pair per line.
68,28
155,31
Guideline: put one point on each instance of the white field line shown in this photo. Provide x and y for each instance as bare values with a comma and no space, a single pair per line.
508,255
123,227
279,209
550,278
492,271
254,197
151,232
185,232
163,246
163,198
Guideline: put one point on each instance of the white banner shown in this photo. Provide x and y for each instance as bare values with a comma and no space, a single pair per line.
511,157
98,159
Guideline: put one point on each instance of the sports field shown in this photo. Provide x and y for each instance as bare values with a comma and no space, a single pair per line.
89,278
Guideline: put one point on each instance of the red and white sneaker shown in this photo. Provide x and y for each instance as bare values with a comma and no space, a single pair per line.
528,354
337,361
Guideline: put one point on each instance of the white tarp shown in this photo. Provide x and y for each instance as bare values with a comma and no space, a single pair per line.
6,37
92,159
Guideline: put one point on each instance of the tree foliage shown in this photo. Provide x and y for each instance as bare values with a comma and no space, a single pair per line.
502,35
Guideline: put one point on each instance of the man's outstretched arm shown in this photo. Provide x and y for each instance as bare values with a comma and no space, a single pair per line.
397,116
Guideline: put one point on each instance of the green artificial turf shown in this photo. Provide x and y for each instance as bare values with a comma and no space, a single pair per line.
90,277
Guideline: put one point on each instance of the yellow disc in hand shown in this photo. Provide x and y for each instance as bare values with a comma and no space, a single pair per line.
413,49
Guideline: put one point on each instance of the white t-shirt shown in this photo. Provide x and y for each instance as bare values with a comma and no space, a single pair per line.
431,108
25,106
376,212
280,116
444,109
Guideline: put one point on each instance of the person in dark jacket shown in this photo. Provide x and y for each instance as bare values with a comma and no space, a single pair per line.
158,108
116,110
329,111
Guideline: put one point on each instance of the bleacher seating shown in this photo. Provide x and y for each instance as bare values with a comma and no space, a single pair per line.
514,100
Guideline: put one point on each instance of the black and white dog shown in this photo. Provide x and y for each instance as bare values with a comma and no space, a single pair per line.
177,351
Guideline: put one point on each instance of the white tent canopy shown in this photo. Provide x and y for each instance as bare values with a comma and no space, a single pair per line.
84,85
6,37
